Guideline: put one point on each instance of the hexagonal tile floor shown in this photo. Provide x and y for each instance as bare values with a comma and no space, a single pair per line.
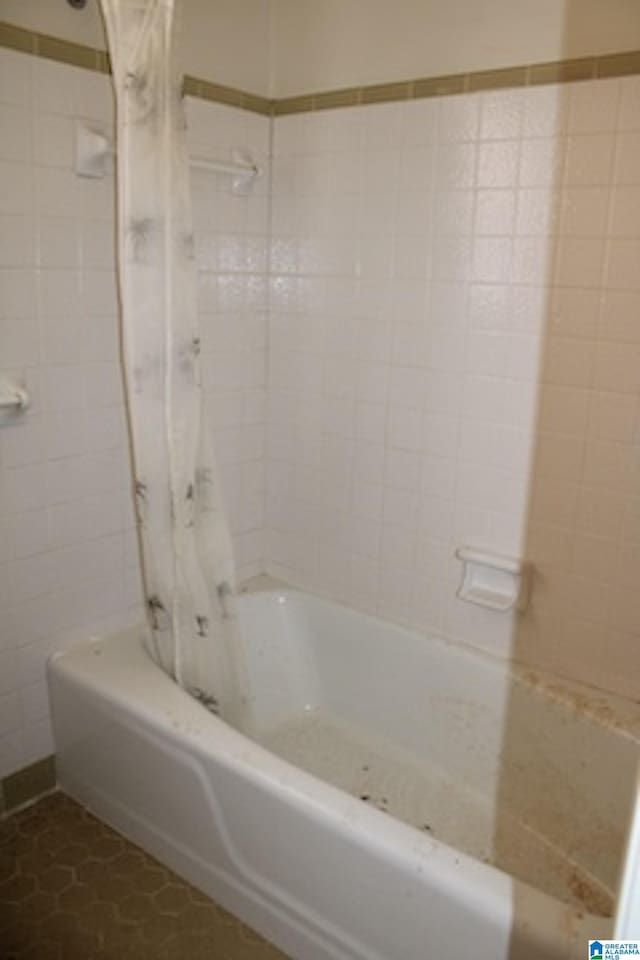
73,889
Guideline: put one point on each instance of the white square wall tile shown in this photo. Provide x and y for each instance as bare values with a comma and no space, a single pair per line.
617,368
15,134
574,312
584,211
620,317
405,428
458,118
622,264
589,159
58,242
16,77
56,86
498,163
16,188
533,260
455,166
447,350
382,125
53,140
407,387
59,292
625,211
419,121
545,111
452,259
593,107
23,443
627,158
539,211
492,259
501,115
19,342
569,362
542,162
31,533
453,212
403,469
57,192
440,434
95,98
448,303
579,262
629,106
17,240
614,416
17,294
410,343
495,212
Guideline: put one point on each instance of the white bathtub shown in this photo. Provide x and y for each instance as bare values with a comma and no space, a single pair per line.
473,763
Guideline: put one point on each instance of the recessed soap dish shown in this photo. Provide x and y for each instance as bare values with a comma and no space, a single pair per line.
493,581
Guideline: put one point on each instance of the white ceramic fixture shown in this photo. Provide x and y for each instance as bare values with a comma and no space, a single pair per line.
404,797
95,150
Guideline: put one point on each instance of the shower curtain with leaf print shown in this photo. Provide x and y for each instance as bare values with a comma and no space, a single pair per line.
185,545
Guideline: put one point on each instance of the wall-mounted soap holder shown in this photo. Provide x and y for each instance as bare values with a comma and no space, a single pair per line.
95,152
493,581
13,396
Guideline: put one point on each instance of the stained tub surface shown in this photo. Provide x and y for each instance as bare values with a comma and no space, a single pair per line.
402,797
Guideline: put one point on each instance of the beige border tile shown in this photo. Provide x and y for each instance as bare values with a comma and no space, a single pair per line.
563,71
499,79
257,104
387,92
30,782
103,61
619,64
333,99
292,105
16,38
64,52
77,55
216,93
190,86
440,86
219,94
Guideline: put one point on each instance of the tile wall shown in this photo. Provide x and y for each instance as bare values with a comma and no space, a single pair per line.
455,359
68,555
446,294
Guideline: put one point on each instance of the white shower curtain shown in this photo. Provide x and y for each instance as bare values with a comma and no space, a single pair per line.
185,545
